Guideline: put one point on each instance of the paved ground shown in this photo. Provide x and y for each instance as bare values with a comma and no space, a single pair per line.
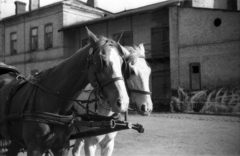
181,135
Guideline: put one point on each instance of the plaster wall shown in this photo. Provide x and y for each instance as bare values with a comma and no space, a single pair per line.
197,26
199,40
22,24
118,25
142,24
23,33
139,24
1,42
174,52
238,4
219,64
99,29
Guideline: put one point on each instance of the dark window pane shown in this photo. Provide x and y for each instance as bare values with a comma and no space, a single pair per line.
84,42
13,43
195,78
34,39
160,40
34,43
48,40
195,69
126,39
48,36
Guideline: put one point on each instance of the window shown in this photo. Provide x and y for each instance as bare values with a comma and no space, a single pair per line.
34,39
160,41
13,44
84,42
126,39
48,36
195,79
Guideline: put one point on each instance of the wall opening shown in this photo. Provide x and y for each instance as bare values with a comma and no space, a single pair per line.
195,77
217,22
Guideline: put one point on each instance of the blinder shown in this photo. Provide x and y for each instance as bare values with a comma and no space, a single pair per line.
95,65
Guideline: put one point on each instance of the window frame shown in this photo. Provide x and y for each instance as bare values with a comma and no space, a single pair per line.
12,41
123,38
47,44
84,42
31,37
191,65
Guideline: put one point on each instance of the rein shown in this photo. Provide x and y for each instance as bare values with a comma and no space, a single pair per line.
80,102
97,87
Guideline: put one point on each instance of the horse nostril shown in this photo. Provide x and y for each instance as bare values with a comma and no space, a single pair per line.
119,103
143,108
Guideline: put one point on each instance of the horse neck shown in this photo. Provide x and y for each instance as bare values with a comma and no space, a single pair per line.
70,76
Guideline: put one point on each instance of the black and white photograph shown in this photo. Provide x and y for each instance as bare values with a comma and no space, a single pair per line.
119,77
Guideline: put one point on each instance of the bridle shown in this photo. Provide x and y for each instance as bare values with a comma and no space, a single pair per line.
127,74
95,81
92,62
125,71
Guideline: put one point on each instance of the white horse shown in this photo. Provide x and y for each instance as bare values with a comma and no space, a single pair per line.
137,81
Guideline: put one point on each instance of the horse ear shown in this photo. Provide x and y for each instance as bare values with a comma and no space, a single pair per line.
124,50
120,36
142,49
92,38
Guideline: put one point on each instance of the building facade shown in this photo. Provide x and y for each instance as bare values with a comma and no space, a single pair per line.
190,44
205,48
31,41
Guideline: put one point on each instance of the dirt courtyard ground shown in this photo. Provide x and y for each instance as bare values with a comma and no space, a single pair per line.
181,135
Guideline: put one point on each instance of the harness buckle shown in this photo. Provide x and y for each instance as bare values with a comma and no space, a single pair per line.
19,77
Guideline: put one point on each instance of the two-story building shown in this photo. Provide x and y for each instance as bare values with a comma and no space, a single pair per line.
190,44
31,41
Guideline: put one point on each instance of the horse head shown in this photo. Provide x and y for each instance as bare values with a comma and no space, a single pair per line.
104,71
137,76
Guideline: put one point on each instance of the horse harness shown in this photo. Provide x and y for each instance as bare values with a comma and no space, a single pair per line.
95,64
127,73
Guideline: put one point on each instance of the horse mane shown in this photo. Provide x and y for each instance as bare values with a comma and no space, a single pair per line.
134,53
103,40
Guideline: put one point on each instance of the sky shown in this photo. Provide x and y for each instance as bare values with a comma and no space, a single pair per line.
7,7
